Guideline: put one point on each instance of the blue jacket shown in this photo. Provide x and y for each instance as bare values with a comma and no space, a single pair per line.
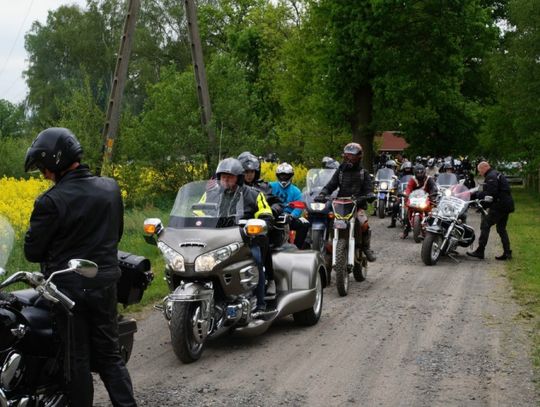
289,194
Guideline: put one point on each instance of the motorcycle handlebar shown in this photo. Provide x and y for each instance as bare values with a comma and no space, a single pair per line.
60,296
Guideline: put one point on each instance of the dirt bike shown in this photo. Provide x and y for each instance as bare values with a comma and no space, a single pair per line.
32,356
211,271
446,227
347,256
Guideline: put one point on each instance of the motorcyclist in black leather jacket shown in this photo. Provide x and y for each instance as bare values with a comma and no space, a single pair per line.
80,216
353,180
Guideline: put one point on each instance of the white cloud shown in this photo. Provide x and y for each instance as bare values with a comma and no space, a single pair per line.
16,19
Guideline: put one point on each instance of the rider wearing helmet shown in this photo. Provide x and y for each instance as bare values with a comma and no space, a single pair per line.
228,191
419,180
353,180
80,217
288,192
391,164
406,171
431,170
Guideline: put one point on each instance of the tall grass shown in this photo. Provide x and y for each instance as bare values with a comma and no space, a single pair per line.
524,269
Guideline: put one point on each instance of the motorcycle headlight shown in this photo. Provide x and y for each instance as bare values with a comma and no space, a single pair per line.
447,192
174,259
384,185
207,261
317,206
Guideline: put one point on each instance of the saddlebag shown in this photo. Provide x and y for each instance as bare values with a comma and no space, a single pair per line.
136,276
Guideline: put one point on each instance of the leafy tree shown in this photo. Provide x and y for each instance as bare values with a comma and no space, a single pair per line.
84,118
12,119
512,128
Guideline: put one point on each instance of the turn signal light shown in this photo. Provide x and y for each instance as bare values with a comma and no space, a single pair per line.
253,230
150,229
331,215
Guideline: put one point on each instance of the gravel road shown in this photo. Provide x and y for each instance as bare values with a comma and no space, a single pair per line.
411,335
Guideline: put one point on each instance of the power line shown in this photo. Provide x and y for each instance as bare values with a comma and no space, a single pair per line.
17,38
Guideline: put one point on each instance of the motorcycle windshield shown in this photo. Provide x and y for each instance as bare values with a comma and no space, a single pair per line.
447,178
403,181
454,201
317,178
205,204
384,174
7,237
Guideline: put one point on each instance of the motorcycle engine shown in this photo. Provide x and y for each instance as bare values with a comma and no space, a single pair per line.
9,328
12,371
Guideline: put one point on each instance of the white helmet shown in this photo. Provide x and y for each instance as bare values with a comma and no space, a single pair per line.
284,174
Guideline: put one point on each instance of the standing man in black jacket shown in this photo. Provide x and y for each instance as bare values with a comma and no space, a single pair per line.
495,185
353,180
80,216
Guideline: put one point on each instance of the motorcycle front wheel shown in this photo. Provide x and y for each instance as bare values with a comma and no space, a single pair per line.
417,229
184,323
431,249
342,275
381,208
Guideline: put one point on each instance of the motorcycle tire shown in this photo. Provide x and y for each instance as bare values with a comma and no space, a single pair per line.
185,347
417,230
341,269
312,315
381,209
431,249
360,269
317,241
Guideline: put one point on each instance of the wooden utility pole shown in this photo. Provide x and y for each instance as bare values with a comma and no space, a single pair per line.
200,76
112,120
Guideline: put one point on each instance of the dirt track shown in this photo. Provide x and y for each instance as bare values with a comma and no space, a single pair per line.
411,335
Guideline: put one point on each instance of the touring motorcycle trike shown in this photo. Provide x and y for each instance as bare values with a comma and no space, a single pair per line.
212,274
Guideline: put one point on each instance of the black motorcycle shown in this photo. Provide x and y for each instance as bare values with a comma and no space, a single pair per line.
32,357
320,214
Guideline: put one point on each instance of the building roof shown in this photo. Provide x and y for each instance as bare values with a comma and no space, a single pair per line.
392,142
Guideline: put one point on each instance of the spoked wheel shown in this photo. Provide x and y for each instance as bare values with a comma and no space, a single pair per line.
342,274
431,249
187,331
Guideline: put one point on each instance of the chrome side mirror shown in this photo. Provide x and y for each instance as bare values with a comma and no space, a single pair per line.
85,268
488,199
2,271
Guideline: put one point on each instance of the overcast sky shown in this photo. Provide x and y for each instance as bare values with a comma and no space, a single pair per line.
16,18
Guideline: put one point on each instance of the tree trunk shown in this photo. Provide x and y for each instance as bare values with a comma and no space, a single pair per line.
360,120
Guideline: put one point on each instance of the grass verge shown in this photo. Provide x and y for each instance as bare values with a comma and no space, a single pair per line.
524,269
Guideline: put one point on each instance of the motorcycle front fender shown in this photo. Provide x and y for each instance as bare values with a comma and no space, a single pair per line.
318,225
436,230
191,292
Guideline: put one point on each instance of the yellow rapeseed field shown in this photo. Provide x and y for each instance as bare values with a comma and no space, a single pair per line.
17,198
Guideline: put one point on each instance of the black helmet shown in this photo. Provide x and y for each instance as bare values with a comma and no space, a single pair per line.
419,171
231,166
55,149
447,166
250,163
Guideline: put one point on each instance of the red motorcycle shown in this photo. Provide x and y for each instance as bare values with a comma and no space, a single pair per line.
419,206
